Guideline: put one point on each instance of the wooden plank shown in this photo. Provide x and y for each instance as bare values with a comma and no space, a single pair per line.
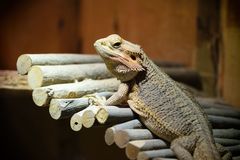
165,29
37,26
230,57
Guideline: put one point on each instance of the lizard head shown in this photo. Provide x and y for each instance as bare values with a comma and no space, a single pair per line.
122,58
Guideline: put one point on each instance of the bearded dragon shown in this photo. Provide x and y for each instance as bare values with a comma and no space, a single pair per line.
164,107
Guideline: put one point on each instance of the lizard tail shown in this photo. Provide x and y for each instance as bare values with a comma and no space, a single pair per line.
206,150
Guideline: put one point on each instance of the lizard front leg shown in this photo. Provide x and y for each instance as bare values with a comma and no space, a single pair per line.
119,96
184,146
225,154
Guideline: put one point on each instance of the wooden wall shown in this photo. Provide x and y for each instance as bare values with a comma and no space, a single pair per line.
229,76
29,26
165,29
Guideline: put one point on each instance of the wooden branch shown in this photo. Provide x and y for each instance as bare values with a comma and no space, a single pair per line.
122,137
236,158
185,75
110,132
114,114
226,133
227,142
88,117
134,147
12,80
39,76
164,158
42,96
147,155
76,121
222,112
224,122
26,61
214,103
235,150
65,108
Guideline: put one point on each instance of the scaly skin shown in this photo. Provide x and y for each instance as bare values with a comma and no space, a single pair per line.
165,107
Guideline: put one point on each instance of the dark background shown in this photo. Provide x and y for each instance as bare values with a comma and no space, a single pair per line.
202,34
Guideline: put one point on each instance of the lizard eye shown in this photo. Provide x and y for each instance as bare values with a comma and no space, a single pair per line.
116,45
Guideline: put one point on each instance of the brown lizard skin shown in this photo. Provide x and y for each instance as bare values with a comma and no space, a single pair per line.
164,106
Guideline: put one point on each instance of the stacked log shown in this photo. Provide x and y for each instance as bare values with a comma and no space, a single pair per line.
76,87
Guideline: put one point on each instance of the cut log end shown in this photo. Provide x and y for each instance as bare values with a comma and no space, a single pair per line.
35,77
40,97
121,139
163,153
102,115
76,122
88,118
24,64
54,111
109,136
131,151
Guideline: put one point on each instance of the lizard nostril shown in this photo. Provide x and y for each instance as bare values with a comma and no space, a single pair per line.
133,57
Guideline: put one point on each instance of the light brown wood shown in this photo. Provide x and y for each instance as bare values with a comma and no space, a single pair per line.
110,132
163,153
122,137
115,114
164,158
134,147
39,76
10,79
65,108
88,117
26,61
42,96
76,120
230,40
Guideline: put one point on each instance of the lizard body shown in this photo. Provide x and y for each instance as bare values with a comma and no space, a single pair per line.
164,107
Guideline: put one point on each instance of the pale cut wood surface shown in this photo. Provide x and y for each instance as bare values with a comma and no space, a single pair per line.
42,96
122,137
39,76
110,132
26,61
134,147
65,108
113,114
10,79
